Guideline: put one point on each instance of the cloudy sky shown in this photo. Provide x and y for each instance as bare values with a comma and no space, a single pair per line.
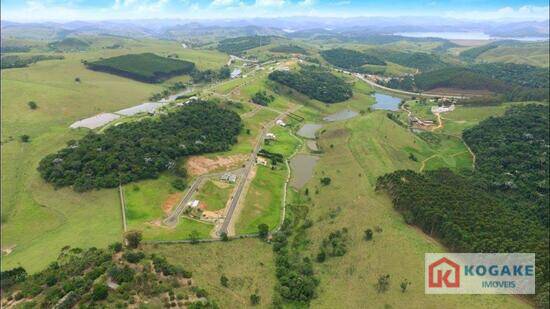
64,10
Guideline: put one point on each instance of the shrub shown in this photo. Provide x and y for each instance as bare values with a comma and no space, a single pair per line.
178,184
368,234
133,238
100,292
32,105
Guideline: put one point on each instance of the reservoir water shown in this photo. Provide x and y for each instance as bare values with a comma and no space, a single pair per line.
308,130
387,102
302,166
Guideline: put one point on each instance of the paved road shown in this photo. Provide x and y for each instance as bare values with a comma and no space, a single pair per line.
370,82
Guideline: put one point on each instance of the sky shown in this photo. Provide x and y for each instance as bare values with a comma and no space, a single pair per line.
68,10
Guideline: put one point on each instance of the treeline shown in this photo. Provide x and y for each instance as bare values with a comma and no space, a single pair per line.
14,49
422,61
508,82
141,150
512,156
14,61
315,82
466,217
236,46
103,278
474,52
348,59
146,67
289,49
521,75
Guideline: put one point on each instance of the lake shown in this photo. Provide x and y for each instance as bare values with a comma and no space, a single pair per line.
341,115
387,102
308,130
302,166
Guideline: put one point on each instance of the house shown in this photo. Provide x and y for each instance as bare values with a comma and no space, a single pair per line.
235,73
261,160
443,109
281,123
270,136
229,177
193,203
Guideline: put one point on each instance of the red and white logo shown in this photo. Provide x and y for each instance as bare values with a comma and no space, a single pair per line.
443,273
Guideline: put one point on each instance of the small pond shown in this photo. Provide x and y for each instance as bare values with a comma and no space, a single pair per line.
341,115
302,166
387,102
308,130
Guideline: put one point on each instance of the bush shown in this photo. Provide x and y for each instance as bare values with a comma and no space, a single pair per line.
263,231
368,234
254,299
32,105
133,238
178,184
25,138
224,281
133,257
100,292
325,181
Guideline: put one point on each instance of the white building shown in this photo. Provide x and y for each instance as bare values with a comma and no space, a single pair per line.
281,123
270,136
193,203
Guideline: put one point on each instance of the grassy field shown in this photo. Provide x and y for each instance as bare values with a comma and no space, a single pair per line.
37,220
263,200
247,263
365,148
214,194
535,53
285,143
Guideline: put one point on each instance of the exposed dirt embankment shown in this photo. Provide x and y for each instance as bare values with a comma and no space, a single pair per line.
200,165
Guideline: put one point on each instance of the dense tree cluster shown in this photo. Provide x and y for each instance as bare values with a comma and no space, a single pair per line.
296,279
236,46
335,244
15,61
101,278
502,206
349,59
140,150
315,82
421,61
512,156
209,75
521,75
289,49
509,82
146,67
262,98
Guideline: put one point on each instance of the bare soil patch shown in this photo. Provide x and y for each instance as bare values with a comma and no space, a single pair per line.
200,165
170,202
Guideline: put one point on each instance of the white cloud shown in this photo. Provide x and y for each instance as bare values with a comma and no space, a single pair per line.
527,12
306,3
219,3
270,2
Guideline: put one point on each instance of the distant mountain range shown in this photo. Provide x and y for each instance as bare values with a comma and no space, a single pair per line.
180,28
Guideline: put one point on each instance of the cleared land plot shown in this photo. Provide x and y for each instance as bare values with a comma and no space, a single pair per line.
146,67
263,202
284,143
214,194
148,107
95,121
148,202
247,263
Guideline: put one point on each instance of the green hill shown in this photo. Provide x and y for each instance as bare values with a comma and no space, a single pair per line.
69,44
